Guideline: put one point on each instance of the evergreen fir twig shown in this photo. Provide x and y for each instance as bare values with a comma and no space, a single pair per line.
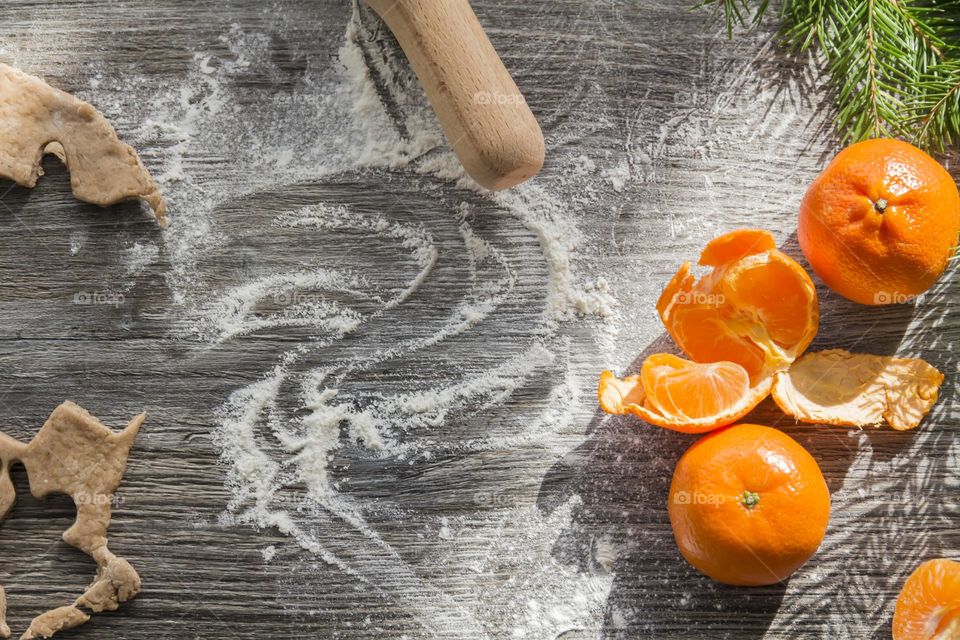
937,111
895,64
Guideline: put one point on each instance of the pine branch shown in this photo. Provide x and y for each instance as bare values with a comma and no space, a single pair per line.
936,110
895,64
734,12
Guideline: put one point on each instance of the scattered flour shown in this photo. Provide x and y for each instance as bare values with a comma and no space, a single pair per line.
618,176
547,600
369,114
288,439
77,240
139,257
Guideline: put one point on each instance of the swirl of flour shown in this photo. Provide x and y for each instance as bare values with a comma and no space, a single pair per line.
466,276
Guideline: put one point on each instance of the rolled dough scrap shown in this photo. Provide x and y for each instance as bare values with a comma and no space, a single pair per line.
36,118
75,454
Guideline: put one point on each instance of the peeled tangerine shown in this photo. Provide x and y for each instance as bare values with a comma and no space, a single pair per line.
928,607
744,324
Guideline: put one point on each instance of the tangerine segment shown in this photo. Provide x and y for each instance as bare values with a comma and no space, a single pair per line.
686,390
748,505
681,395
757,307
841,388
928,607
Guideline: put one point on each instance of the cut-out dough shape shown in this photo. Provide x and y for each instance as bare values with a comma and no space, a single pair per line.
75,454
4,629
36,118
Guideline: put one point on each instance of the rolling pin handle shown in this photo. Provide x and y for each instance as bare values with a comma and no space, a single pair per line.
483,114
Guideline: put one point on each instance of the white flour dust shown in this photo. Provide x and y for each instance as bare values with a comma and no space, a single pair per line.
280,435
365,446
136,258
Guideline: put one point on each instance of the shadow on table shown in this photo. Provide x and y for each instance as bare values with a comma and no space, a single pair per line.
621,476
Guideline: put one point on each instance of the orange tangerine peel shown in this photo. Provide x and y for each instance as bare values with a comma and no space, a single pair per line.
757,307
837,387
746,324
741,323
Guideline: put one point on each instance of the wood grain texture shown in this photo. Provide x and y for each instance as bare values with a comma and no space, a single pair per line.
687,134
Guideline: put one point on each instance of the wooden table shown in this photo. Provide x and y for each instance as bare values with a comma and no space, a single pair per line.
660,133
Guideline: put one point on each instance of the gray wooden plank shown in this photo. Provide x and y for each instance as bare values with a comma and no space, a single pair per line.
713,135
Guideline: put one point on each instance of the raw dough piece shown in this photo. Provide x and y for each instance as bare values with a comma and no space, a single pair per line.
855,389
36,119
4,629
75,454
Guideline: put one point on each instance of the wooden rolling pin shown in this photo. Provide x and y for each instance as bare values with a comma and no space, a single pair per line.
483,114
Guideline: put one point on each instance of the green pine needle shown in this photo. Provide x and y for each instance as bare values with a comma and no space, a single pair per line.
895,64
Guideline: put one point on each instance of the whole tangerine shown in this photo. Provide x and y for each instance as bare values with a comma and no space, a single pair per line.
748,505
881,222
